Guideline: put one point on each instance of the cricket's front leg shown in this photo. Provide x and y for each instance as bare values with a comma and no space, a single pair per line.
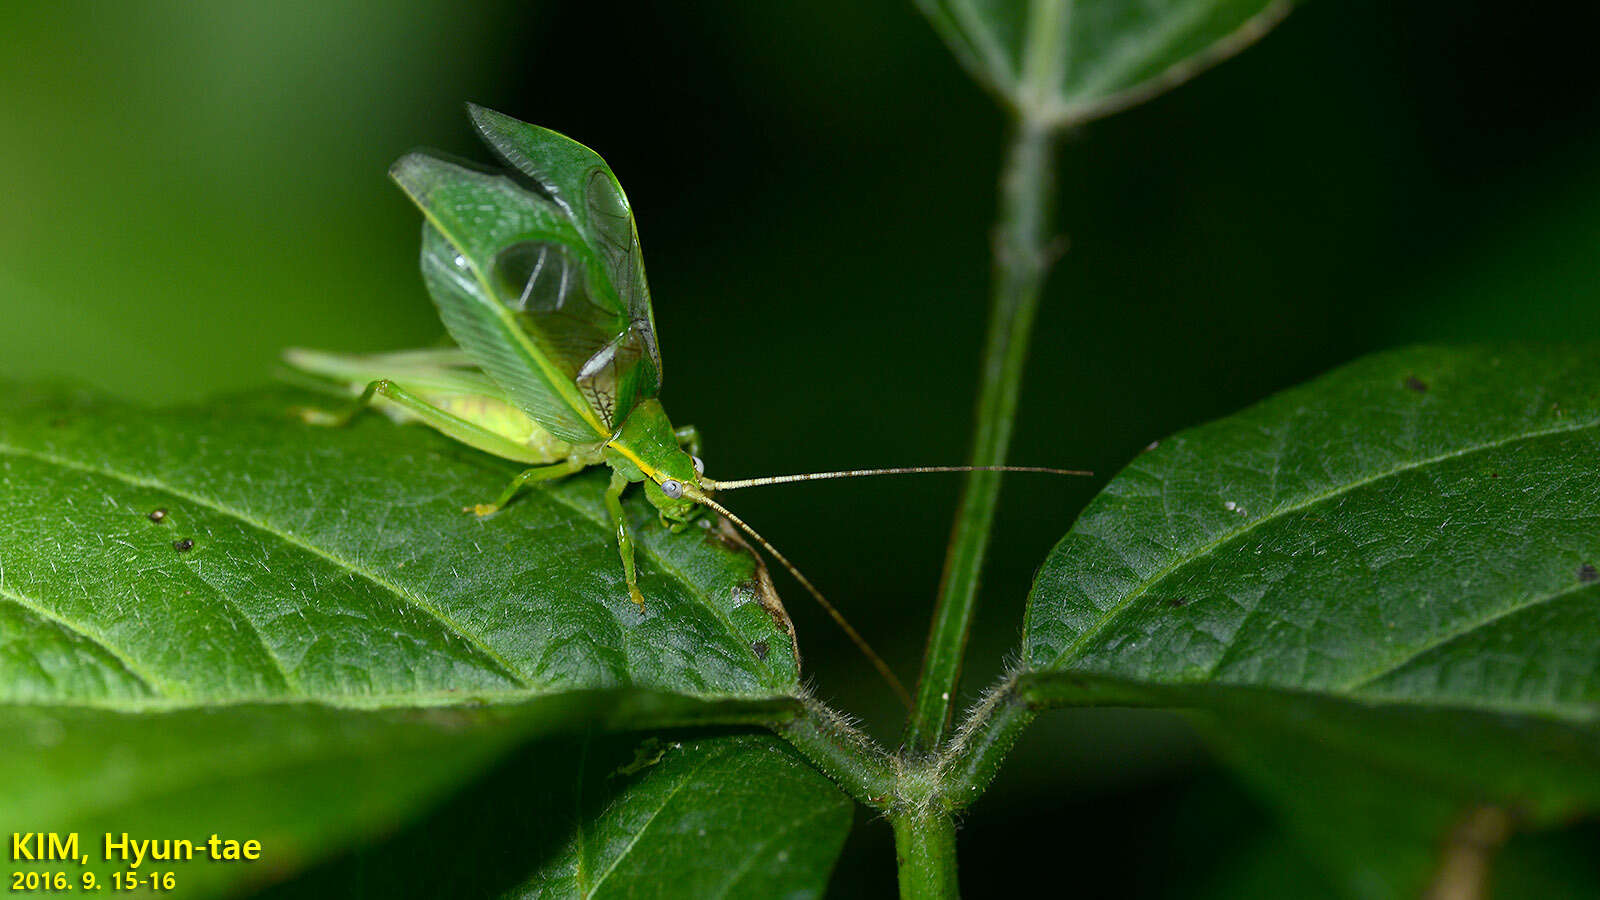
624,536
537,473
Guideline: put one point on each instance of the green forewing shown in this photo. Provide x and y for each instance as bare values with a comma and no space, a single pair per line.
471,216
530,287
581,182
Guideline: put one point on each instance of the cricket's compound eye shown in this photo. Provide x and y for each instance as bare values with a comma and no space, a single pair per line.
699,465
671,488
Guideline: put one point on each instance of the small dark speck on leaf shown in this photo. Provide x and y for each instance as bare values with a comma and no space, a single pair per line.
1413,383
183,546
761,649
1494,474
1588,573
60,422
1177,602
158,516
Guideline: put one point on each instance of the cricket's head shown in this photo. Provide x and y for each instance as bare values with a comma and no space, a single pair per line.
674,487
647,450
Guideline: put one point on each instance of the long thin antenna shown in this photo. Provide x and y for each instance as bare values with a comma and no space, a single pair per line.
858,473
849,630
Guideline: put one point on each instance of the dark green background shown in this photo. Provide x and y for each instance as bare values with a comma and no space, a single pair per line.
190,187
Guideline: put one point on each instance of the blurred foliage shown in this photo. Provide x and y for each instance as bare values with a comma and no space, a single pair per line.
191,187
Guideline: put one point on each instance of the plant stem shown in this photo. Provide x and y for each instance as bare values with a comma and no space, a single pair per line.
1022,257
847,756
983,742
925,849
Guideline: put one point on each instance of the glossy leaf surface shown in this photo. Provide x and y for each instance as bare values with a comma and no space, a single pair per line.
1395,564
1062,62
337,565
313,607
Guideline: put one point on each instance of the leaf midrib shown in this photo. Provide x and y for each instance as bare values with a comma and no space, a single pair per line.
151,683
1389,667
1563,714
508,670
1074,648
666,801
221,508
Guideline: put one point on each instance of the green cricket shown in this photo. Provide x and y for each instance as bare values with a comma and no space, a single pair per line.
539,280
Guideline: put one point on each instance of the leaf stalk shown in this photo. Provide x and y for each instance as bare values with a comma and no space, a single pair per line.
854,761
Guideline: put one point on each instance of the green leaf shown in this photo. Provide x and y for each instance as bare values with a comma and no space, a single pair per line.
1394,564
337,565
311,597
304,779
621,816
1059,63
730,817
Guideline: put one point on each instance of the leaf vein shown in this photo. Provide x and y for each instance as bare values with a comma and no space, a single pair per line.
217,506
137,670
1455,634
662,563
1228,536
665,802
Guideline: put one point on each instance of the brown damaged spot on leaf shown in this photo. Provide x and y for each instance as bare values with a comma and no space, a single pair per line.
760,586
1413,383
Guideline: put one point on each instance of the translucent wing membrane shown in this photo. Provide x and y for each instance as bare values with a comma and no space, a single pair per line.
616,237
527,292
577,179
592,342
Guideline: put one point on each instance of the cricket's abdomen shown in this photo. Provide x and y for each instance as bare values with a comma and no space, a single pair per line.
500,417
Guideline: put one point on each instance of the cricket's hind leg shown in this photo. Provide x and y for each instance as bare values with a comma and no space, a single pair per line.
330,419
439,419
624,534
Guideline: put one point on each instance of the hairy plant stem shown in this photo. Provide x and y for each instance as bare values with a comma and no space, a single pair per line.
853,760
1022,257
988,734
925,850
